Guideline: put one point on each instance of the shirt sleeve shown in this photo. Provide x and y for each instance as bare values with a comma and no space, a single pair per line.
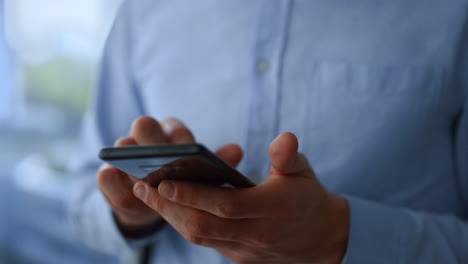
117,104
384,234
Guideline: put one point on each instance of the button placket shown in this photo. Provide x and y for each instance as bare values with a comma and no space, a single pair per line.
263,117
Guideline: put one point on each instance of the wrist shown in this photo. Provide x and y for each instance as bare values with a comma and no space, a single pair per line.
137,231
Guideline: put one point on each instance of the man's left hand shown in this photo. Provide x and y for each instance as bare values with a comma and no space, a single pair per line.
289,218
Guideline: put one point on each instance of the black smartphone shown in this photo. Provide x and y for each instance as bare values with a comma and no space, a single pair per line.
190,162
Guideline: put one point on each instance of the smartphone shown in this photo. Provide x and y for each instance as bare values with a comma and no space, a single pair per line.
190,162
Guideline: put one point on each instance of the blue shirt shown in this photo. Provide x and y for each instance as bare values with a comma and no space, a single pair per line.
376,92
7,95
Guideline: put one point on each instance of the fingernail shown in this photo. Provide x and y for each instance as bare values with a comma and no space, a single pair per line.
133,123
169,125
168,128
140,191
104,166
167,190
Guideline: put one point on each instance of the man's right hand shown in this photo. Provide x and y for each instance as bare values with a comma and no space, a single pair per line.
134,218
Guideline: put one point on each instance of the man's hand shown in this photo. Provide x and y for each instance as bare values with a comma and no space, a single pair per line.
135,218
290,218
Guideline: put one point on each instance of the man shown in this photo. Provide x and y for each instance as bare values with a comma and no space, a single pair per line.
374,94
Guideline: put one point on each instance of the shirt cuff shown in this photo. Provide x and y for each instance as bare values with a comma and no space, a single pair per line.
94,223
153,237
374,235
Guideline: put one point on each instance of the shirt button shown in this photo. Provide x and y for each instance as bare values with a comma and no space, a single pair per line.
263,66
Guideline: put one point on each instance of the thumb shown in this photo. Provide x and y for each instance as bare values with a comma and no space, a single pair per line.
284,156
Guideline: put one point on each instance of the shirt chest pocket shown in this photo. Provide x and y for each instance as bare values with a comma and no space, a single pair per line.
350,110
361,86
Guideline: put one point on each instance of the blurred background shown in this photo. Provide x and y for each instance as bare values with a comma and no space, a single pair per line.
49,54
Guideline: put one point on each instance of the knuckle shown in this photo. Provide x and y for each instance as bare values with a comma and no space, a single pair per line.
227,209
266,240
196,226
185,195
194,239
156,203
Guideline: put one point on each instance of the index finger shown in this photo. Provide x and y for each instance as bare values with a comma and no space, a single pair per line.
146,130
177,132
232,203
